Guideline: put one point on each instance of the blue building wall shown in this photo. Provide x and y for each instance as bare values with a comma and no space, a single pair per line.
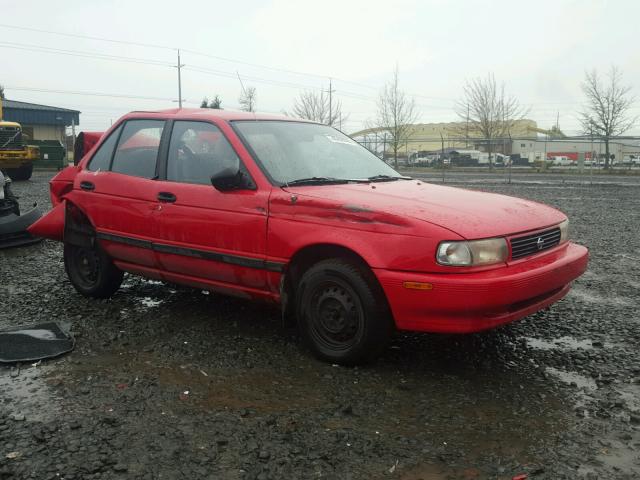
41,117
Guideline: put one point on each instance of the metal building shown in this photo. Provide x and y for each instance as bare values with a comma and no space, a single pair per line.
41,122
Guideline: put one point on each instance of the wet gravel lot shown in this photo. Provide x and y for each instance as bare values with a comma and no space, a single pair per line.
170,383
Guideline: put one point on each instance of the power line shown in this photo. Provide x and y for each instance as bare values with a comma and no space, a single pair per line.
95,94
207,55
88,37
83,54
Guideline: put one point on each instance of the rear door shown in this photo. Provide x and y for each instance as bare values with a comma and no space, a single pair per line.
208,236
118,191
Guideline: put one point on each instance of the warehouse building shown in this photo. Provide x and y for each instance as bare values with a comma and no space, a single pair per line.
41,122
527,143
425,138
571,150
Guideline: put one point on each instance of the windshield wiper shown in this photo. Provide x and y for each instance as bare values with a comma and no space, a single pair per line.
315,181
386,178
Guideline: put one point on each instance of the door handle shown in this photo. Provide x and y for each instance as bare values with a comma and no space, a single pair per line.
166,197
84,185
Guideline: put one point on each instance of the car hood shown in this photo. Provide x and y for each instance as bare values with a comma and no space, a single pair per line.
470,214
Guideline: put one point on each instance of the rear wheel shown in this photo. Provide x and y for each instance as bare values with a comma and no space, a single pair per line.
91,271
342,312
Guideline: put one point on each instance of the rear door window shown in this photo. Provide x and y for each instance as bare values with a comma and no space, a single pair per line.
137,150
102,158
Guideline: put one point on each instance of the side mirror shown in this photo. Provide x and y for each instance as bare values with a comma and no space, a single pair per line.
225,179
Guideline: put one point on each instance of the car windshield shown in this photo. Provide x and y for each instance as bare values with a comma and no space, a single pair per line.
307,153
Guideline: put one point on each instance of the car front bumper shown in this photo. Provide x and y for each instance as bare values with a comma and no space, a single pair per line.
471,302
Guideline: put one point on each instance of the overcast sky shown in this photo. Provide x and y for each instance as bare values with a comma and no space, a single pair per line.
540,50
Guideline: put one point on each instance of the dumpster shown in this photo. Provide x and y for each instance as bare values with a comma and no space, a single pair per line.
52,154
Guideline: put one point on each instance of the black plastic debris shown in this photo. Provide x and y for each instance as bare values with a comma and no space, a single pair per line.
34,343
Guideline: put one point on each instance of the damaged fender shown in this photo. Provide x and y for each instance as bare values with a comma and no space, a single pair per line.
51,225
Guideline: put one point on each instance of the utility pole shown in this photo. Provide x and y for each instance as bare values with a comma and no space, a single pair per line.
510,150
180,65
73,133
466,133
592,153
442,155
330,103
244,92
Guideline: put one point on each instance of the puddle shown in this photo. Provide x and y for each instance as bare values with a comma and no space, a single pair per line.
28,393
571,378
586,296
630,393
149,302
562,343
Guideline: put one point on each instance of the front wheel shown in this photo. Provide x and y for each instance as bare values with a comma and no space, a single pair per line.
342,312
21,173
91,271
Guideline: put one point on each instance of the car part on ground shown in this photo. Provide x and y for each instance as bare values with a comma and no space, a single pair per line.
13,224
28,344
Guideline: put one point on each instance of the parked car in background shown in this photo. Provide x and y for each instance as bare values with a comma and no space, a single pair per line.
298,214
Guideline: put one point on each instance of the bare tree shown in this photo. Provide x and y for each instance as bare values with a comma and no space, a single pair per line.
488,111
606,113
395,116
318,107
216,103
247,99
2,92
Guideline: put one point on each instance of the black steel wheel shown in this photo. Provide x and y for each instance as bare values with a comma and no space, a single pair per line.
91,271
342,312
21,173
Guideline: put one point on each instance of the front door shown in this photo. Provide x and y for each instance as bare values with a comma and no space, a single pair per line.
215,238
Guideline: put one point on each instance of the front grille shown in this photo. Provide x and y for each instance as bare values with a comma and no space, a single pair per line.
10,138
534,243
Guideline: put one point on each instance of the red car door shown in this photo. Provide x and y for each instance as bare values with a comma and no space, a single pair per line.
118,192
208,237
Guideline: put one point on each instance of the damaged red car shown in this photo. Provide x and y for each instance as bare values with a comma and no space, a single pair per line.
299,214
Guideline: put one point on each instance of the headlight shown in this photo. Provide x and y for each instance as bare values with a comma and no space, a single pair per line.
564,231
472,253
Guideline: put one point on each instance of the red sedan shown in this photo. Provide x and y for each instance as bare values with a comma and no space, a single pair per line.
299,214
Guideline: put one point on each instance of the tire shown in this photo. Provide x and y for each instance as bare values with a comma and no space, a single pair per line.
91,271
342,312
22,173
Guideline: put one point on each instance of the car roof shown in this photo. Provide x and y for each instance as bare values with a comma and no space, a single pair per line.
210,113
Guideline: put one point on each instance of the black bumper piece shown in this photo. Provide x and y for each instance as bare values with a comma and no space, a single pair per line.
13,229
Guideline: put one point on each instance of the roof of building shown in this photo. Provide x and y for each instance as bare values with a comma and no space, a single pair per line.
33,106
33,113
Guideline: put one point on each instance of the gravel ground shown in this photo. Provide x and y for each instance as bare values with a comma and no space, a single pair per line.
168,383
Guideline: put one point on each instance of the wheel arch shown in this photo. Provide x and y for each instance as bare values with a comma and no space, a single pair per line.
309,255
79,230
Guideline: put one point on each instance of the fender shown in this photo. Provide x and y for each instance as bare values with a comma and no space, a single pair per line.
51,224
65,223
